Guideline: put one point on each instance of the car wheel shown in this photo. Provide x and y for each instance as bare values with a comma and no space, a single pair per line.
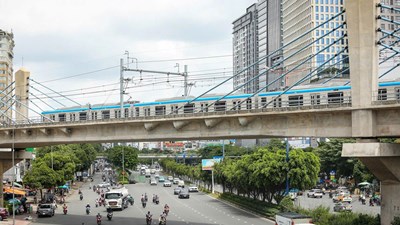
1,218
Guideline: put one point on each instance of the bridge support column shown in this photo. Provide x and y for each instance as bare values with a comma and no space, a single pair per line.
383,160
5,165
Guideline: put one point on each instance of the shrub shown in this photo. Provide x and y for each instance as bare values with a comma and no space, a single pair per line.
321,215
396,221
286,204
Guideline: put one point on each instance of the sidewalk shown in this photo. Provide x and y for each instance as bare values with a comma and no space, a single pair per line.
20,219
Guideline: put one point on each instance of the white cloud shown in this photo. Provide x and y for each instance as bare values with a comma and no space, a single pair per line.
63,38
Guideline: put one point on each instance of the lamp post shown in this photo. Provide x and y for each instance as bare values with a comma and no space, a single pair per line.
123,165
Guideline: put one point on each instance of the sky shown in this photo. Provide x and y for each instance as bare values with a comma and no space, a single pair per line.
74,47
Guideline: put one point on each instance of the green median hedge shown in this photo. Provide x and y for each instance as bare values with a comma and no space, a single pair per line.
263,208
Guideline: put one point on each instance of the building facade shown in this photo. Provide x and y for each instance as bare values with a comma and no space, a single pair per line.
6,72
298,17
390,27
269,43
245,50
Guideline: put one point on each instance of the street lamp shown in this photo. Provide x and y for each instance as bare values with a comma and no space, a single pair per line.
123,165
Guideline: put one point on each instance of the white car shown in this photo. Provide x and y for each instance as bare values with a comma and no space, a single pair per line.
170,178
347,198
176,181
315,193
167,183
103,185
193,189
153,182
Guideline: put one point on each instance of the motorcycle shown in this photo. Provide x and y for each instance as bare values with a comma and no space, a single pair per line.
163,221
144,204
98,220
87,210
148,220
81,197
166,211
65,211
157,201
109,215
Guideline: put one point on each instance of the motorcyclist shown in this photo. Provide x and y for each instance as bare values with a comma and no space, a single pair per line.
148,217
98,217
81,196
109,213
142,198
87,208
79,192
65,208
157,199
154,198
162,219
145,197
166,209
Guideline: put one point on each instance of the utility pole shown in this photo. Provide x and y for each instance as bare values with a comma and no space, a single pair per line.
185,82
287,160
121,86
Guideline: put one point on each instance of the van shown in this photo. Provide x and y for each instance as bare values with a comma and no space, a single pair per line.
181,183
292,219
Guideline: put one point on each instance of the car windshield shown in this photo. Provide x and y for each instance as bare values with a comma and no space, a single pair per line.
113,195
45,206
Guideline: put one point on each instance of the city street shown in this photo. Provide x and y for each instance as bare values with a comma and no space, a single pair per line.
311,203
198,209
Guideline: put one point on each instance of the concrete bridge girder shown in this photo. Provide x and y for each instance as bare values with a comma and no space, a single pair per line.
311,123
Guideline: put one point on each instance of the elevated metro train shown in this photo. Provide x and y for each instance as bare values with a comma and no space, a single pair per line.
302,96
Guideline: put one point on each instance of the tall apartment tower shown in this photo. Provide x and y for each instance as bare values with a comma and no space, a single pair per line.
298,17
392,15
6,72
269,41
245,50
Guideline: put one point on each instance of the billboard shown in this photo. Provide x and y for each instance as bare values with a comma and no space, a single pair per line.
207,164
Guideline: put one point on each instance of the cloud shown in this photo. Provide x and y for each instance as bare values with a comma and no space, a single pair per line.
63,38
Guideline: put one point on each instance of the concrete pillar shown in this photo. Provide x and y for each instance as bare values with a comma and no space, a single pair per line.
4,166
22,94
364,57
383,160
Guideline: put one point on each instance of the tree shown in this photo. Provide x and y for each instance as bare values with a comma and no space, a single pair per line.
41,176
330,154
130,155
361,173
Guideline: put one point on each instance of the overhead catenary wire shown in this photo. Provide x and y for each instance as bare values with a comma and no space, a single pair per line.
53,91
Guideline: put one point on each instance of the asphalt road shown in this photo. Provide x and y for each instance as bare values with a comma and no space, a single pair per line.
198,209
311,203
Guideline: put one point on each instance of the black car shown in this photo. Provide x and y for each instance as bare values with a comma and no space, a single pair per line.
184,194
45,210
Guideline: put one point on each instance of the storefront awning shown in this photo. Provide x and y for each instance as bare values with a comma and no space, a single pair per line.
16,191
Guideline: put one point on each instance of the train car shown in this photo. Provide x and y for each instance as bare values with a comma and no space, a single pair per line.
308,95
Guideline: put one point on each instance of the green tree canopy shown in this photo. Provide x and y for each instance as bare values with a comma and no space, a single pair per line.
130,155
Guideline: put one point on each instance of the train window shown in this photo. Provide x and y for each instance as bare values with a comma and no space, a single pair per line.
188,108
296,100
236,103
315,99
146,111
126,111
72,117
204,107
382,94
248,103
160,110
53,117
397,92
94,115
82,116
174,109
219,106
117,113
277,102
335,97
136,111
61,117
105,114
